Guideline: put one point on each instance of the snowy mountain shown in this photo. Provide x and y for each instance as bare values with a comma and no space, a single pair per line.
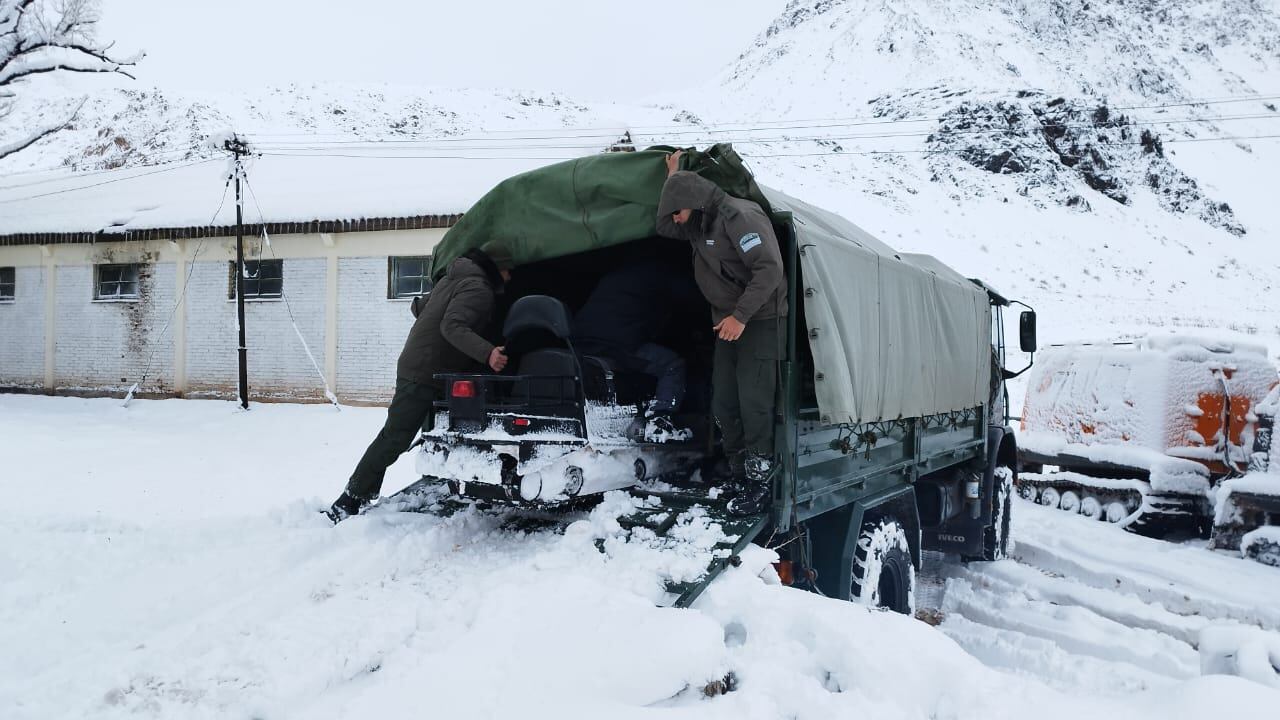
831,53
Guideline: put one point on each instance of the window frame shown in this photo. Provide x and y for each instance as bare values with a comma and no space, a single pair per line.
11,284
258,295
123,281
393,277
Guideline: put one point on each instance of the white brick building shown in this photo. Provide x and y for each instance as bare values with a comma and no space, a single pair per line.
88,301
57,334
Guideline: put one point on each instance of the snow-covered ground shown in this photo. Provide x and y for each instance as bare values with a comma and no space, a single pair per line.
167,560
1083,604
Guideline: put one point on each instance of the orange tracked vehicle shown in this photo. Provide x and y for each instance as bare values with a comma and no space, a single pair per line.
1142,433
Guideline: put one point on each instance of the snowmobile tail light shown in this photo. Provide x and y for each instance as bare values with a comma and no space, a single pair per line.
520,422
463,389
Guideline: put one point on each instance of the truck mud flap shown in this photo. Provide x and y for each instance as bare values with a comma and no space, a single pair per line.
677,503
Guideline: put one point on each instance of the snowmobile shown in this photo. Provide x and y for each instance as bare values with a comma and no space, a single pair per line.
554,432
1141,434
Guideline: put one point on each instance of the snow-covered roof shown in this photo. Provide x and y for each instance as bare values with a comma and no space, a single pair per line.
332,193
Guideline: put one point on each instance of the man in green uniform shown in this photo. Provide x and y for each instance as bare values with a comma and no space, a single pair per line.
445,338
738,267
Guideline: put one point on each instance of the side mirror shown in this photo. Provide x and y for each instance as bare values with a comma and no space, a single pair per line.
1027,331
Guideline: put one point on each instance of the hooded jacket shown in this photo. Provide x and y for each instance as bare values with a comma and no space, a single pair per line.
444,335
736,260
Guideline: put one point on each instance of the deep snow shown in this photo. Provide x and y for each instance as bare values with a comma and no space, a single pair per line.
167,560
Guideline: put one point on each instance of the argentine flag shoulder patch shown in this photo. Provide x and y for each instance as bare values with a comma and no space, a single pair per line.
749,241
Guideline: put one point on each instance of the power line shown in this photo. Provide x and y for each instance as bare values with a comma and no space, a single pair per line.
395,154
748,154
738,126
744,139
614,132
164,169
956,152
70,171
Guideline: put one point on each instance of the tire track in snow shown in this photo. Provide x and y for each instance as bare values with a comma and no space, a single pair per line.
1184,579
1082,603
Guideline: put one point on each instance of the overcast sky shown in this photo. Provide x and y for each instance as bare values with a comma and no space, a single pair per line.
591,49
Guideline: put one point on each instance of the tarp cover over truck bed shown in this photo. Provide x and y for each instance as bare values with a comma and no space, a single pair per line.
892,334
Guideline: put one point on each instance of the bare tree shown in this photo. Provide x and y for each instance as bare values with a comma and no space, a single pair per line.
49,36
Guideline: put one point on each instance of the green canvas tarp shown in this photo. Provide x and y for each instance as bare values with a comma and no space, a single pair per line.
583,204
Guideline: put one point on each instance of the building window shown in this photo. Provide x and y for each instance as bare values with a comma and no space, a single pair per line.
6,284
117,282
408,276
263,279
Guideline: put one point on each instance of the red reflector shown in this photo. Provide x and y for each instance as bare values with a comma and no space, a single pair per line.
521,422
464,389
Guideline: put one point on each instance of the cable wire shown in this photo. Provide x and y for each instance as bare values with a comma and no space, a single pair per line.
181,297
745,154
738,126
388,146
163,169
262,221
71,171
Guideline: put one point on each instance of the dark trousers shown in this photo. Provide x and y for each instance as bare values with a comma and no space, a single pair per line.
412,408
744,381
667,366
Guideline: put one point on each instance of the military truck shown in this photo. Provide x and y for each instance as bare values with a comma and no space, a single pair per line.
890,427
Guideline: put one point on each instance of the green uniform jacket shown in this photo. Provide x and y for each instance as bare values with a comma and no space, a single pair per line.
444,338
736,260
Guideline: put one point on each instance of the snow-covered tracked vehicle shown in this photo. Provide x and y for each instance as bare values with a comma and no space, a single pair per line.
887,428
1141,433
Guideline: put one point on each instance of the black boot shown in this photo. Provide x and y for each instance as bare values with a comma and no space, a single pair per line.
756,492
660,429
731,486
345,506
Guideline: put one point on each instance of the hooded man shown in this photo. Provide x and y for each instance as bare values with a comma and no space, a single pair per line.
738,267
445,338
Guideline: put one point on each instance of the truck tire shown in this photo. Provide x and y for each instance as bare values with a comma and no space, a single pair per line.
883,575
995,538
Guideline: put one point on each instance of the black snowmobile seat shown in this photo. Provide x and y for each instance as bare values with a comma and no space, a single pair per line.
537,331
554,395
536,321
537,336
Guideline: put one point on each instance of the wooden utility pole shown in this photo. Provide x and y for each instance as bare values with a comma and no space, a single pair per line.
237,147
